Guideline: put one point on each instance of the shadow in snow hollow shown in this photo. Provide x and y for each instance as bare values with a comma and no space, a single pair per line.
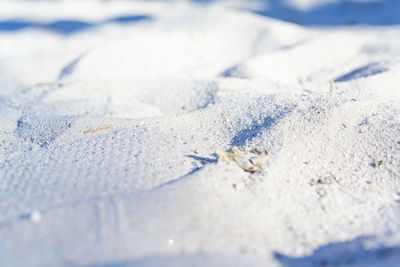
342,253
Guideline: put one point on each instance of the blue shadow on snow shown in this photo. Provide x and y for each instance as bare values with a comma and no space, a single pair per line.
363,72
66,27
341,12
342,253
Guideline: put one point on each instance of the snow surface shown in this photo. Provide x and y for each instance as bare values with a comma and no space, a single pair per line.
111,110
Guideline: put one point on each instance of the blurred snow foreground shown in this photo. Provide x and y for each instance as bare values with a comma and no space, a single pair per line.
111,110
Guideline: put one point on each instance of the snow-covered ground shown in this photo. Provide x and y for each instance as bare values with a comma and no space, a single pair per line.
110,112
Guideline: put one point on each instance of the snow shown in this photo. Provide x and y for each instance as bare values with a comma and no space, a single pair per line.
111,112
